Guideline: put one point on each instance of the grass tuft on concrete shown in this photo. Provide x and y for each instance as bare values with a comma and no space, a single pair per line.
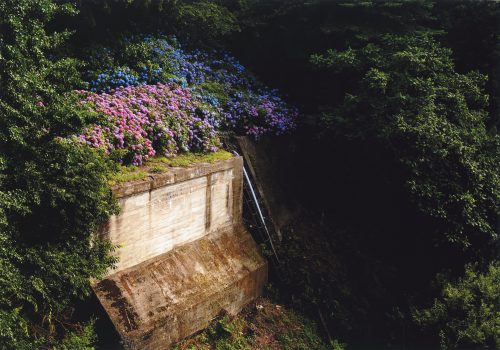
158,165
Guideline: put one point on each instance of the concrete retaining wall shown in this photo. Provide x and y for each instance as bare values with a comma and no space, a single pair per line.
184,254
167,210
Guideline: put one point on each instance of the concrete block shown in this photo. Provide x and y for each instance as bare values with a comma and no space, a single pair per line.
184,254
176,294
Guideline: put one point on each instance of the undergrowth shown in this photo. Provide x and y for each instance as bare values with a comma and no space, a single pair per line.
262,325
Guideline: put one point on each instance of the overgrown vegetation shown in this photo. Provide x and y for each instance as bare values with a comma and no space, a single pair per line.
393,165
466,312
395,169
161,164
262,325
407,97
53,191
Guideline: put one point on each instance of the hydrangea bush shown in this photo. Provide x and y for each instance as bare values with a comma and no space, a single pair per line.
160,99
147,120
258,114
149,60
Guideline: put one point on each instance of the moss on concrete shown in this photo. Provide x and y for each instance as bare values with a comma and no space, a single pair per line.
187,159
158,165
126,174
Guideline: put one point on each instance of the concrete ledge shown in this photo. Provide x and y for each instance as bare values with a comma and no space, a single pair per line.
173,175
167,298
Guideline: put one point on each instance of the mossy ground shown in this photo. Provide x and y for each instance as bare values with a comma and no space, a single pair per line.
161,164
187,159
263,325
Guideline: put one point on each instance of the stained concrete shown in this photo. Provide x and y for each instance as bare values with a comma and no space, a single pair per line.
168,298
167,210
184,254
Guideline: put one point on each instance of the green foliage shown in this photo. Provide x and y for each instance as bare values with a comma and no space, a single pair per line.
305,337
408,98
127,173
187,159
370,173
336,345
206,20
472,31
83,339
468,311
314,276
228,335
218,90
261,326
201,22
223,333
161,164
53,191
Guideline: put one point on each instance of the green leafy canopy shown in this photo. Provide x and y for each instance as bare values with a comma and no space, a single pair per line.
468,311
408,98
53,193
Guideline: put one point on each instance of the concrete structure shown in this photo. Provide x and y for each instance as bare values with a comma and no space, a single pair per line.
184,254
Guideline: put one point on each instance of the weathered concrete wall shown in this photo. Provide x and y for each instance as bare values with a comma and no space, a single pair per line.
174,208
168,298
185,255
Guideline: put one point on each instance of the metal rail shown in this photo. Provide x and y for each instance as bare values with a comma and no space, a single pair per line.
260,215
251,196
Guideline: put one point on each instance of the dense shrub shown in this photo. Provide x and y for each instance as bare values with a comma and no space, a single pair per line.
407,97
206,20
233,99
467,314
202,23
53,191
261,325
149,120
